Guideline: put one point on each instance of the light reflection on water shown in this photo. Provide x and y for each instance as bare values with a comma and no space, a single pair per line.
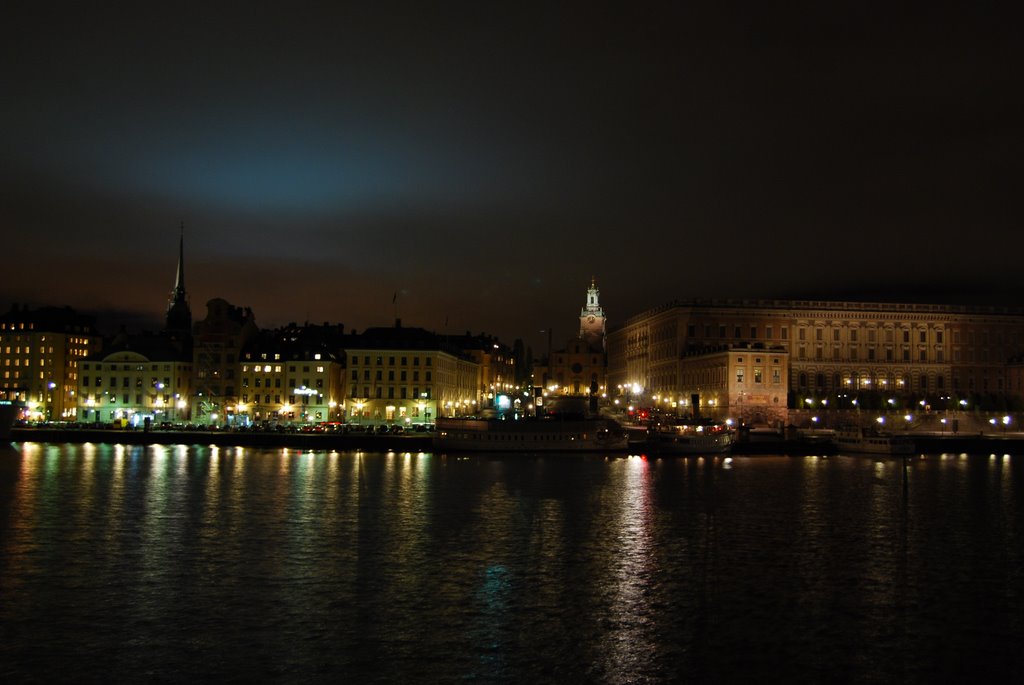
181,563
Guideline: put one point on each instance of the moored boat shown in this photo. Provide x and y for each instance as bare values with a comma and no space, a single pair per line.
549,434
858,440
690,437
9,411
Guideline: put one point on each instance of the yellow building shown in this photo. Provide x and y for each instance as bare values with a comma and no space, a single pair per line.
291,375
496,368
142,378
408,376
932,352
746,382
39,355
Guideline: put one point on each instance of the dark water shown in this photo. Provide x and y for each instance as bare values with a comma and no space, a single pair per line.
187,564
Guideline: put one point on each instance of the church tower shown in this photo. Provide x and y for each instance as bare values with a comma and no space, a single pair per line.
592,319
179,315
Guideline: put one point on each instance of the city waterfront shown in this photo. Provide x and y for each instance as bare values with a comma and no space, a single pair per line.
182,563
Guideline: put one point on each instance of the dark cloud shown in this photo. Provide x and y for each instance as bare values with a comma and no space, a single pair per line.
489,160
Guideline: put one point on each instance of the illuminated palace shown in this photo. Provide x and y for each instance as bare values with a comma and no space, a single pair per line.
746,357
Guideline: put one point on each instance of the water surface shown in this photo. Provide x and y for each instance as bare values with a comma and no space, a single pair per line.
176,564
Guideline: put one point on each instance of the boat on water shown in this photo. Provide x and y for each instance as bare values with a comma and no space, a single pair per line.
858,440
9,412
694,436
545,434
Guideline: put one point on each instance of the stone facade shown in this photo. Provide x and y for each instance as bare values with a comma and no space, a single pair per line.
929,351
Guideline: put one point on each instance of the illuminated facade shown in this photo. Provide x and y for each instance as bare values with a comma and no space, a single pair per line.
40,351
579,369
934,352
748,382
144,379
291,375
593,321
496,369
408,376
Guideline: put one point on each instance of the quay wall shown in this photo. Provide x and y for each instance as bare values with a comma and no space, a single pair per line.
926,443
312,441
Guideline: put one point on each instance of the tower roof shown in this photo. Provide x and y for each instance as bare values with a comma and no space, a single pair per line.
179,280
179,314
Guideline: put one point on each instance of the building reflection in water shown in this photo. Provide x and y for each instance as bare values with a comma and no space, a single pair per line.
231,563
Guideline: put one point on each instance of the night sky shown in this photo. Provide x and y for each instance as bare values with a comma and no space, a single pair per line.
485,160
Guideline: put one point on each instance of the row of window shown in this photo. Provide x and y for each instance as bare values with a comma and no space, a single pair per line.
257,382
378,392
854,355
819,333
276,368
402,375
109,368
872,335
854,333
25,362
302,399
17,375
276,356
127,382
838,382
404,361
20,326
758,375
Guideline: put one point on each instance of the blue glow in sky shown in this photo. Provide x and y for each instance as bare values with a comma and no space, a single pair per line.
322,157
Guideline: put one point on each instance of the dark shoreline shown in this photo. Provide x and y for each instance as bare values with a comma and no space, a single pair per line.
925,443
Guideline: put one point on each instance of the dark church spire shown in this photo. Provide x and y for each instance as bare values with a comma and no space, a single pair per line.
179,315
179,281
